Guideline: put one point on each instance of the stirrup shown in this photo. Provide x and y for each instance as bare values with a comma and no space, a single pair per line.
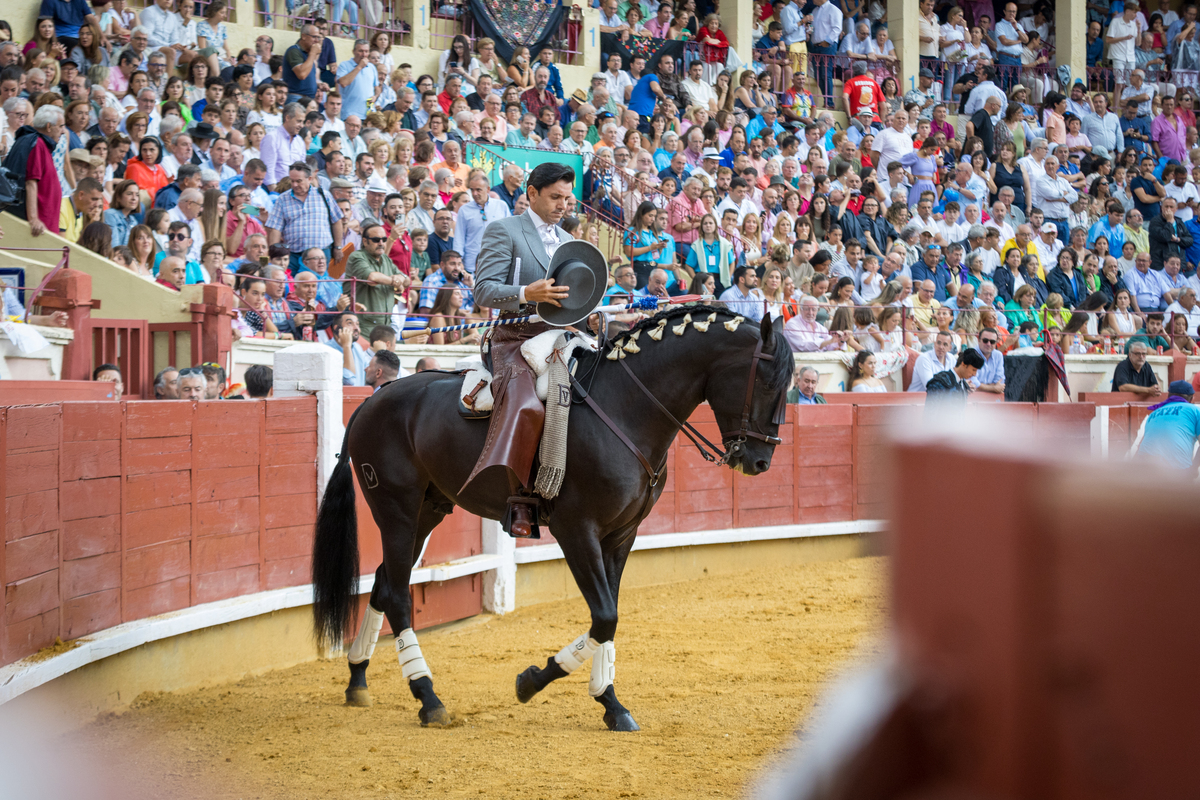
523,501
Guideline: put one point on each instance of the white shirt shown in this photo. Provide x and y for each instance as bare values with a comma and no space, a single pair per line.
742,210
827,24
164,26
549,237
1047,253
569,145
988,260
954,232
1118,28
1182,194
699,92
1046,194
616,84
1007,231
1193,316
891,145
926,367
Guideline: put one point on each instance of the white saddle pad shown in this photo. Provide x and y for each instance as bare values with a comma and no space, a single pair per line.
537,352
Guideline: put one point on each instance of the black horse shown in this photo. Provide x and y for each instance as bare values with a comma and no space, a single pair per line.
413,451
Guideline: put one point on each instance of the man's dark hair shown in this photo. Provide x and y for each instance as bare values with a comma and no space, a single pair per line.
389,361
240,70
177,226
391,197
128,57
277,251
89,185
329,137
213,371
259,379
547,174
382,333
740,273
737,183
187,171
313,116
340,319
1027,326
214,80
105,368
160,381
971,357
258,165
449,254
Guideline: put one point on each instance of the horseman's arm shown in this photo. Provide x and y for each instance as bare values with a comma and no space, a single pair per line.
494,270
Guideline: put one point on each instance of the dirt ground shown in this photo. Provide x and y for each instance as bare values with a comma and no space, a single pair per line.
718,673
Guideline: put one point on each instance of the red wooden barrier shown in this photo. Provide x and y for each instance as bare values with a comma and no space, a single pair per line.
126,343
119,511
25,393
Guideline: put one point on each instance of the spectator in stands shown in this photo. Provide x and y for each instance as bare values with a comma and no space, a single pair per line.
991,374
805,334
744,296
1135,374
214,380
304,217
804,392
427,363
953,385
931,362
110,373
190,384
166,384
172,273
33,149
344,332
259,381
383,367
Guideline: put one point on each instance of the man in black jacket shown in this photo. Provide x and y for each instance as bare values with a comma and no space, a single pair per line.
952,386
1168,236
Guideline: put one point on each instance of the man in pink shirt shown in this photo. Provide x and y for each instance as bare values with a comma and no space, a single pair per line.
661,23
940,124
1168,133
684,213
805,334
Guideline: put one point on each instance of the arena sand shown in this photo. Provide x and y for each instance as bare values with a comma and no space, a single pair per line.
719,673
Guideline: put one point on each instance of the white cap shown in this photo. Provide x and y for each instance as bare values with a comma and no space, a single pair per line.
378,184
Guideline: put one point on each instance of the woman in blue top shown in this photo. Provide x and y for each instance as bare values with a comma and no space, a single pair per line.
642,246
737,146
923,167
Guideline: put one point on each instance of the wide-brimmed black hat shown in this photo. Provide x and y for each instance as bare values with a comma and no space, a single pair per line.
581,267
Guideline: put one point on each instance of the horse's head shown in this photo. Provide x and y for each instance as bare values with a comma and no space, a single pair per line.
747,392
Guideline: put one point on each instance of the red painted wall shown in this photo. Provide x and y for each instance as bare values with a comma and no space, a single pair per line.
119,511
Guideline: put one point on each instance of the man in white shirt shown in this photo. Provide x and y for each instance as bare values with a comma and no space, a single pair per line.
1053,195
857,44
1188,307
615,78
700,93
983,90
578,143
793,28
931,362
1000,222
737,200
1184,192
891,143
164,29
1102,127
1031,164
422,214
1048,246
1121,39
826,33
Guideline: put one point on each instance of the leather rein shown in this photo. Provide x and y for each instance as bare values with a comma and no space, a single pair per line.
709,451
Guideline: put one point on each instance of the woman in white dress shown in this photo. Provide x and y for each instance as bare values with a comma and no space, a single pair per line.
953,36
1121,322
862,374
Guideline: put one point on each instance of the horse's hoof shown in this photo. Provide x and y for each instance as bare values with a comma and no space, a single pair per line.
621,722
526,685
436,717
359,697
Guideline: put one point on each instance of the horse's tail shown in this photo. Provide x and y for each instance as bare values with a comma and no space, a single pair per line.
335,553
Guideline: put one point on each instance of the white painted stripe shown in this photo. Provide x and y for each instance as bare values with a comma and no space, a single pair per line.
659,541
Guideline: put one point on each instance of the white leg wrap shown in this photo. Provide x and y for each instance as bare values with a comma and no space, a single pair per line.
604,669
576,654
412,663
364,644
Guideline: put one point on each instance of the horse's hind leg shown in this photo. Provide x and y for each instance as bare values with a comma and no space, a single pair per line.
401,548
363,647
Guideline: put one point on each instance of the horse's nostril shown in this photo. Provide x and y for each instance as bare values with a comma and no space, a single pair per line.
762,464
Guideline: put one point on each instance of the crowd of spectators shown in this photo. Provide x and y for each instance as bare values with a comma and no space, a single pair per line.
985,198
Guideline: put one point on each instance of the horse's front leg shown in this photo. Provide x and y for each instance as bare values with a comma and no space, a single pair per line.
587,560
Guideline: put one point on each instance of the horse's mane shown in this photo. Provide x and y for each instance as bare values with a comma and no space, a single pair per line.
777,373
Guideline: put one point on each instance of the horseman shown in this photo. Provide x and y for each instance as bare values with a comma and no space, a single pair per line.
512,274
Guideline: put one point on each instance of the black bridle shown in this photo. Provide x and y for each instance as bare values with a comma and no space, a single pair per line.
710,452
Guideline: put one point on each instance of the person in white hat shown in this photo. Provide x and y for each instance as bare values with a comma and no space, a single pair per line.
371,207
1048,245
710,159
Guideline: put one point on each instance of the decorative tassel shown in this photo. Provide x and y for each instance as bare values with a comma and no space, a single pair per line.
732,325
679,329
631,343
657,333
703,326
614,354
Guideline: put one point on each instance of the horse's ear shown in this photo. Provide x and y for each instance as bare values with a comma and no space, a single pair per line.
768,329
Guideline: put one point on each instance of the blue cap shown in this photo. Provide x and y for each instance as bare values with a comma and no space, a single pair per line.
1183,388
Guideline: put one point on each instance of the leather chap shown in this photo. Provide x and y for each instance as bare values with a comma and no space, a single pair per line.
518,416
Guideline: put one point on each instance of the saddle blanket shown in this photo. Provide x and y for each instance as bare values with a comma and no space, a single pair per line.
537,352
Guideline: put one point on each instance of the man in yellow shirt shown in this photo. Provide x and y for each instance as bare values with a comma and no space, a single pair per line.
923,306
1023,241
86,205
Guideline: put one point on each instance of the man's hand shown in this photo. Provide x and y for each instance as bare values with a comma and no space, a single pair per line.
36,227
343,302
345,337
544,291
